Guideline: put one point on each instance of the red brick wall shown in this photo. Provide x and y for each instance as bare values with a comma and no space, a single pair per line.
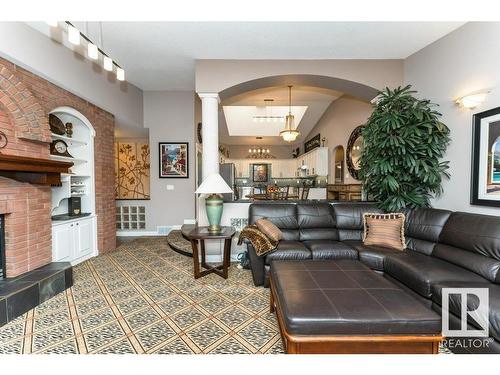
25,101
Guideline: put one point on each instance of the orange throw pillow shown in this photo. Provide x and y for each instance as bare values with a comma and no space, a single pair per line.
269,229
386,230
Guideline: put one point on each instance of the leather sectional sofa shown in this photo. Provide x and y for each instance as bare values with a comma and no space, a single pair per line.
444,250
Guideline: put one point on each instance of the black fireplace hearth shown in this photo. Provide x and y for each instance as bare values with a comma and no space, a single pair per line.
2,247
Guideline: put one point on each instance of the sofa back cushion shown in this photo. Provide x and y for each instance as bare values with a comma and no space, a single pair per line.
283,215
349,219
316,221
472,241
423,227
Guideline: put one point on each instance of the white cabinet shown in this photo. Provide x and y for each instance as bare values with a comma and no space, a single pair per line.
74,241
83,240
62,243
315,162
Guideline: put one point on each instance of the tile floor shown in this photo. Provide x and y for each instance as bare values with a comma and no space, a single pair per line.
143,298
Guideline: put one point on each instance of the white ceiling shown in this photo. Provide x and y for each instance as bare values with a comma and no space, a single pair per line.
240,119
161,55
236,117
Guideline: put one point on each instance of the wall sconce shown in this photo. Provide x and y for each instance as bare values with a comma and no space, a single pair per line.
472,100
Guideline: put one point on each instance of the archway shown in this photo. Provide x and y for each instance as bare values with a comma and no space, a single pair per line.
352,88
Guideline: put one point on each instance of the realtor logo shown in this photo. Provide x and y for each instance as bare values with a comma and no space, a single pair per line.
473,306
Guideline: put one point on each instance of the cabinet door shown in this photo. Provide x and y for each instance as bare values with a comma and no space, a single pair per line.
276,168
322,161
84,238
62,243
245,165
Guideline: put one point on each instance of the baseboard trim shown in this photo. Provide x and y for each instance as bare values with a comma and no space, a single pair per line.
137,233
123,233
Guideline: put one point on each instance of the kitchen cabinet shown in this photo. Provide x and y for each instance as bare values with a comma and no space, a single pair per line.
315,162
74,240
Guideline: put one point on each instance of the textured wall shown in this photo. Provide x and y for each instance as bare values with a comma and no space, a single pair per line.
25,101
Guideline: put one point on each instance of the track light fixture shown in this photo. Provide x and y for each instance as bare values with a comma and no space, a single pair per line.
75,37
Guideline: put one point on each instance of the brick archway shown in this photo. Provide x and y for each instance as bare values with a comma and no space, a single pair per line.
27,115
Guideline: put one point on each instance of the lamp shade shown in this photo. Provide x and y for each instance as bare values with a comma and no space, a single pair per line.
213,184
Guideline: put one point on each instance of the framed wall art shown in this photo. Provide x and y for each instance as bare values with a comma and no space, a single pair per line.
485,184
312,143
260,173
132,170
174,159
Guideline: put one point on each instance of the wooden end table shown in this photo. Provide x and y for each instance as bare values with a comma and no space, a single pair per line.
194,234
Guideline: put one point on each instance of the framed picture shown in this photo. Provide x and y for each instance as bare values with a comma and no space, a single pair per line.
485,184
312,143
132,170
174,159
259,172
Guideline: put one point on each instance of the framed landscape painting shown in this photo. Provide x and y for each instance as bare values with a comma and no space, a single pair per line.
174,159
485,189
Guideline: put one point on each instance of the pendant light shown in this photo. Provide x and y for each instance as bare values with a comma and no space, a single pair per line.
289,134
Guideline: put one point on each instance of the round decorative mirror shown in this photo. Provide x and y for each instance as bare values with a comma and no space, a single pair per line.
354,150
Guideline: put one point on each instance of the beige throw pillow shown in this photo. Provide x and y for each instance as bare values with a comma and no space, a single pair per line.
269,229
385,230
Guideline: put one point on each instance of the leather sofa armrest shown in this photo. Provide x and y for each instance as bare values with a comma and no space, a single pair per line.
257,265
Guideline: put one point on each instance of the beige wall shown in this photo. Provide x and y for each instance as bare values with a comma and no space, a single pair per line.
169,115
464,61
336,125
217,75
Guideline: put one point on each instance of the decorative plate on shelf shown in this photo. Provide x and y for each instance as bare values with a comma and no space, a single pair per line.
56,125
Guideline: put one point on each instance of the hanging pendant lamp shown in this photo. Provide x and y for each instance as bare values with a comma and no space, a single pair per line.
289,134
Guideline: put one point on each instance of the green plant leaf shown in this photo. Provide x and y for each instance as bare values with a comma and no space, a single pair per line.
404,140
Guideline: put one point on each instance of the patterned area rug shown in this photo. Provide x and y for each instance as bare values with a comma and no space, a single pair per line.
178,243
143,298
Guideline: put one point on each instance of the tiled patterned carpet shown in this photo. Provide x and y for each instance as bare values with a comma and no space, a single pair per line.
143,298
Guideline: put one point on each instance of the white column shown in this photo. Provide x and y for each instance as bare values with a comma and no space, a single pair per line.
210,133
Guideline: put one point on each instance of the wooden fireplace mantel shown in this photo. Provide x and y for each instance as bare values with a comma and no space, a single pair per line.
33,170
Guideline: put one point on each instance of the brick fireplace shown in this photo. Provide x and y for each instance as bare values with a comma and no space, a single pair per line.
25,101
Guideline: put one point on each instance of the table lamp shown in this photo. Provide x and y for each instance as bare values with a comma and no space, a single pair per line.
214,185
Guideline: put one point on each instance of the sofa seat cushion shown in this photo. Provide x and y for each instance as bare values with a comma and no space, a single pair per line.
421,272
455,301
289,250
372,256
327,249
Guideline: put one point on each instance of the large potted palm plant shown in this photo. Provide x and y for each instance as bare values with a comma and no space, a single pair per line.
404,143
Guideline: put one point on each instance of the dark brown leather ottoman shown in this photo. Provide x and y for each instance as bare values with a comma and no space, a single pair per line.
341,306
